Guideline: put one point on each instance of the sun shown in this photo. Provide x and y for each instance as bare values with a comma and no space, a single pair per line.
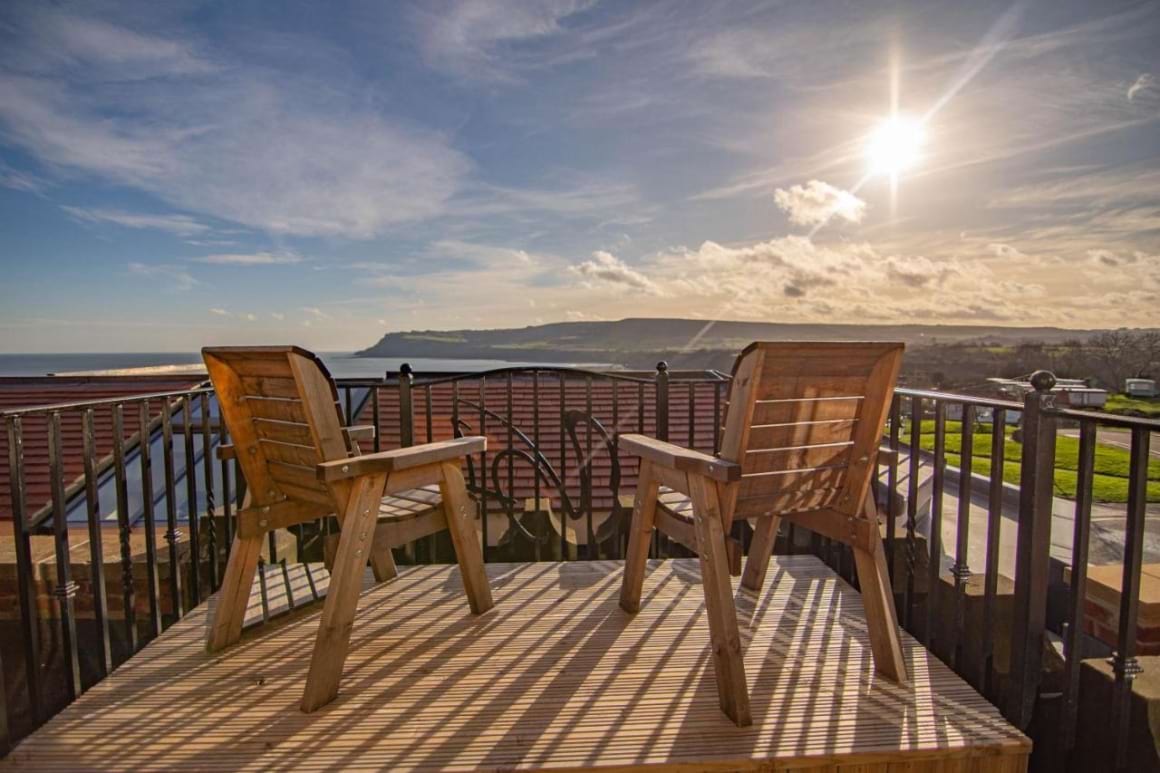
895,145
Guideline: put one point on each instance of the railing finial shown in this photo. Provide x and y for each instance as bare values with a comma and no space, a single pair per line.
1043,380
405,369
662,366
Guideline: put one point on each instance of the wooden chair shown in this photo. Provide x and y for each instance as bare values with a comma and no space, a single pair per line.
281,408
799,443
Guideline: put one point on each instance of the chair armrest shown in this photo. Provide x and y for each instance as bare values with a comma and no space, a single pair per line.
360,432
677,458
887,454
386,462
226,451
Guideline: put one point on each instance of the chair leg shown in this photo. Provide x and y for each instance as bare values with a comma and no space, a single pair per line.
878,601
760,549
640,531
724,635
225,627
383,563
457,507
333,638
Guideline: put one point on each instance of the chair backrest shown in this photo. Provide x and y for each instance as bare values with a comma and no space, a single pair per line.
281,408
804,421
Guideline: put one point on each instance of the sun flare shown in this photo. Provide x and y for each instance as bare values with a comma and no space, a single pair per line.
895,145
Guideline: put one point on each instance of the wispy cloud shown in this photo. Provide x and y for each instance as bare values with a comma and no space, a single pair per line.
240,143
1143,82
469,37
180,225
250,259
170,277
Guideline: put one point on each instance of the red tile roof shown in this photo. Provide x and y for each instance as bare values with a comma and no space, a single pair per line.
26,392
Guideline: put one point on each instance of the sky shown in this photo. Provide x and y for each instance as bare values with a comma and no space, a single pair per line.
181,174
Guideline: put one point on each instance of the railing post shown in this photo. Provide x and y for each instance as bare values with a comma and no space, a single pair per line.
1124,662
662,400
1033,546
406,412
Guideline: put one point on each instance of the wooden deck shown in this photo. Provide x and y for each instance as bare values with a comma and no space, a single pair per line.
556,676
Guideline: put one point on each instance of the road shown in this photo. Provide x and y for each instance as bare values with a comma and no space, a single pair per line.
1118,438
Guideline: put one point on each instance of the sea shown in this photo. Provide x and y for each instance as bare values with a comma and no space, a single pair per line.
340,364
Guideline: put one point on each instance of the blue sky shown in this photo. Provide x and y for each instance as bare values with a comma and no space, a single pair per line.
184,173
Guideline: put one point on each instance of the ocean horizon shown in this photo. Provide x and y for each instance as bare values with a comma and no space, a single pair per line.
341,364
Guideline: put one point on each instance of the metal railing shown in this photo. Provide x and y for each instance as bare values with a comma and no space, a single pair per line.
146,469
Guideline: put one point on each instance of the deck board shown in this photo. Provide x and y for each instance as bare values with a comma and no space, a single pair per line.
557,676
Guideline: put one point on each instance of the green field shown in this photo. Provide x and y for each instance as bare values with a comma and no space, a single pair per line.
1135,406
1109,483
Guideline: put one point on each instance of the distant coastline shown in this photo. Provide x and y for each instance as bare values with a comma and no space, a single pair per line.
341,364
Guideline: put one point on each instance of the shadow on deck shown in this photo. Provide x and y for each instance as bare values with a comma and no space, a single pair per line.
556,676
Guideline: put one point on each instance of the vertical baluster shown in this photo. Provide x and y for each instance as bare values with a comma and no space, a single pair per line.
124,527
511,442
376,409
991,562
960,570
153,582
348,407
539,508
615,456
483,462
662,400
1077,593
427,402
640,407
96,545
563,467
692,415
172,533
1032,549
227,496
406,412
593,550
207,478
716,417
934,538
913,452
1124,662
455,408
191,499
65,590
29,618
892,484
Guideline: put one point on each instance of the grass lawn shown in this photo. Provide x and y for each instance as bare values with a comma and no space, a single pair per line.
1149,407
1109,483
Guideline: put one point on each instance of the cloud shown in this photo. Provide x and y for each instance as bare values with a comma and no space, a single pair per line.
174,277
816,202
468,38
1001,250
1143,82
180,225
277,315
917,271
219,312
606,268
21,181
316,312
107,50
250,259
298,155
1111,259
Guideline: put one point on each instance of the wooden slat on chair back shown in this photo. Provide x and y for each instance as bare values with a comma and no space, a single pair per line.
804,421
281,408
